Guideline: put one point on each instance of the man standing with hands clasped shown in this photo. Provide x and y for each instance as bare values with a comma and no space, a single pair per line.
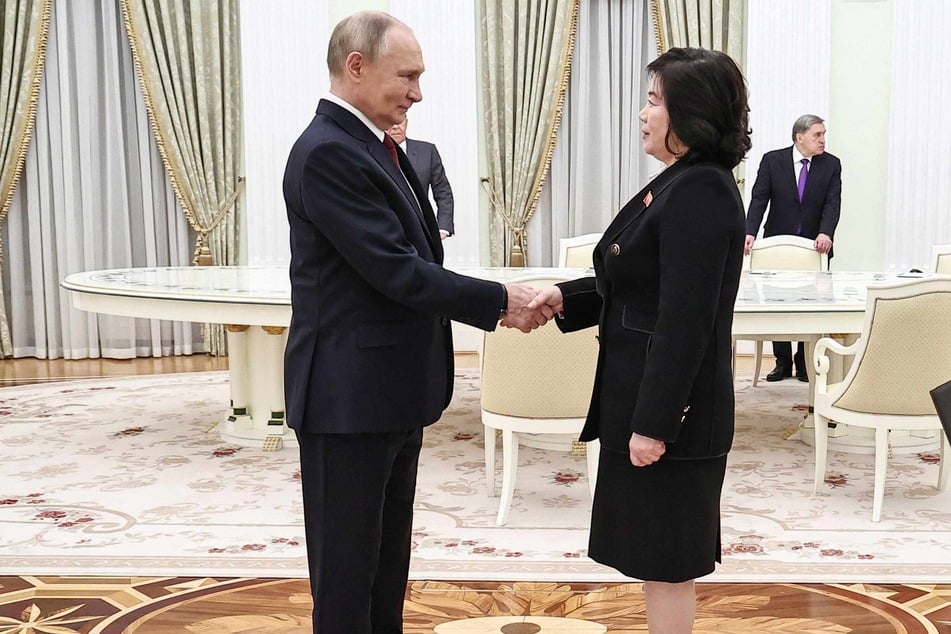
369,357
426,162
802,185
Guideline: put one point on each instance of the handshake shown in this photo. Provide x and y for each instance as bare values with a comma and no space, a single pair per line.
531,307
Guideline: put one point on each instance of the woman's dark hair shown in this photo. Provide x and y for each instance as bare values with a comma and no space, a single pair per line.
706,99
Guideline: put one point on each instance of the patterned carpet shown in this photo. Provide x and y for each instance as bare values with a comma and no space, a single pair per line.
124,477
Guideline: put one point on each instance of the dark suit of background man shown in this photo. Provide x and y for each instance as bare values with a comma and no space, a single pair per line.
427,164
369,358
814,215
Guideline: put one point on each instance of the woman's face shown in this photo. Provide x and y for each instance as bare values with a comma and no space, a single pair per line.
655,122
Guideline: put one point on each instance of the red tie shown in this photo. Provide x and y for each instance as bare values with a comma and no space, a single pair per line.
391,147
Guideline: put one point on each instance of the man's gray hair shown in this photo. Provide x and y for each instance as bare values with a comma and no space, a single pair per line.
364,32
803,124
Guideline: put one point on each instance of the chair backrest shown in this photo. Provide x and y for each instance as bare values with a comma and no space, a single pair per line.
577,252
941,259
541,374
786,253
904,351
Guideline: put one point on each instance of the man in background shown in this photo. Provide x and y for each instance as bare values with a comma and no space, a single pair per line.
428,167
802,185
369,356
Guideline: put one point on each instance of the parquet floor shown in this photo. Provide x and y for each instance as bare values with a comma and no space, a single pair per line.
147,605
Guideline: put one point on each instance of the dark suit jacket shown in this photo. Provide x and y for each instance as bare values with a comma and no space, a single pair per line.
666,277
428,165
369,347
776,186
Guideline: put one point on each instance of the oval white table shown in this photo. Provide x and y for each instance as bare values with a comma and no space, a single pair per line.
253,302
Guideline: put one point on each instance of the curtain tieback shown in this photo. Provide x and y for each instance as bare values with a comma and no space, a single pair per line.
202,255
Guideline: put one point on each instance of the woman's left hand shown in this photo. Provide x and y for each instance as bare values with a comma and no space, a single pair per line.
644,450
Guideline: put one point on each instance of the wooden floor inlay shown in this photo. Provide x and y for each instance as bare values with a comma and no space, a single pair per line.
109,605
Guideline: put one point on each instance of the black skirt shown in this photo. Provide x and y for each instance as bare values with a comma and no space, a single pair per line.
657,523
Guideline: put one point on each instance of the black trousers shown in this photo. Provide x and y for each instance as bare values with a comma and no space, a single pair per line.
358,519
782,350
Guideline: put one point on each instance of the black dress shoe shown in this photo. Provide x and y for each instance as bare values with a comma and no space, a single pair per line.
803,377
779,373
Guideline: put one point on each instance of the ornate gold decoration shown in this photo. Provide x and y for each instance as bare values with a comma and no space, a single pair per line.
659,41
236,327
274,330
579,448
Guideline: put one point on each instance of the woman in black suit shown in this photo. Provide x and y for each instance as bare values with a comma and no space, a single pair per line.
666,276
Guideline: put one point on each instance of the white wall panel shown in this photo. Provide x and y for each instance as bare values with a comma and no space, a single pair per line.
918,212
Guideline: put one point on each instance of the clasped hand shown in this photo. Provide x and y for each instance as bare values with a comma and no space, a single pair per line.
530,307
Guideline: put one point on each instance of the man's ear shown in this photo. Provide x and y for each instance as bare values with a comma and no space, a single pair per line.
353,67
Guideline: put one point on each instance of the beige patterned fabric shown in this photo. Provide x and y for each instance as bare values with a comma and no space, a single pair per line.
24,25
542,374
908,352
187,57
718,25
526,57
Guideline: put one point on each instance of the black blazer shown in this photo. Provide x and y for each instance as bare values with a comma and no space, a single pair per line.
776,186
428,166
666,275
369,347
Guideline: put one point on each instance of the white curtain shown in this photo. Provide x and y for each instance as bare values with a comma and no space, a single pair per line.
93,195
773,30
282,78
598,163
918,208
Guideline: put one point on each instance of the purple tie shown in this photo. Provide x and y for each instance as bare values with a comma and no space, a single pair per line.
803,174
391,147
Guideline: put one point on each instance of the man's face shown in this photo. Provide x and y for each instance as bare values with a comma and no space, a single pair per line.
389,86
812,141
398,132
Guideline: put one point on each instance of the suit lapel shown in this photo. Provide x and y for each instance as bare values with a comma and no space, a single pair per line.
426,213
642,200
359,131
791,178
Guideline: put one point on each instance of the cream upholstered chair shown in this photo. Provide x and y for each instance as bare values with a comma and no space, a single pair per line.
780,253
941,259
536,388
576,252
904,351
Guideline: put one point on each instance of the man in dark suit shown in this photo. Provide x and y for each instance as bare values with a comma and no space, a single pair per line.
427,164
369,357
802,185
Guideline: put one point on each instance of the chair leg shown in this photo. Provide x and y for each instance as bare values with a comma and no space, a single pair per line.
593,454
757,362
881,462
509,465
488,434
821,424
